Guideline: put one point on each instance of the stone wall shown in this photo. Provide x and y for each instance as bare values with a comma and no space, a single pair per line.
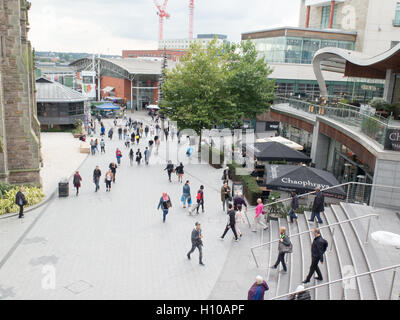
20,157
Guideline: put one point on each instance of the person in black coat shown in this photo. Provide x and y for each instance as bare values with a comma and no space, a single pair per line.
113,167
21,202
294,205
226,176
170,169
318,206
96,177
231,223
318,249
197,242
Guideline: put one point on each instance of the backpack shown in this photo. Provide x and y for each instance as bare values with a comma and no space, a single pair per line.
199,195
166,204
325,243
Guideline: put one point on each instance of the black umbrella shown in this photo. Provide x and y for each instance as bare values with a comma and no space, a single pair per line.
302,179
275,151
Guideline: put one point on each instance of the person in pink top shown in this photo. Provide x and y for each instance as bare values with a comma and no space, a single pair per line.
259,215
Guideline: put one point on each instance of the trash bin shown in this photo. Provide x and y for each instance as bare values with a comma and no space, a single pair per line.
63,188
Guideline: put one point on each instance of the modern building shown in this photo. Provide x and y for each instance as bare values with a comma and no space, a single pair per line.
133,80
184,44
63,74
367,26
58,105
19,126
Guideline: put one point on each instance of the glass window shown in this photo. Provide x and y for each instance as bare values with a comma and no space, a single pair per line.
310,47
326,13
396,21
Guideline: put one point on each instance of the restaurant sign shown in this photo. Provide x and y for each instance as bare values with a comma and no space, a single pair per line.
392,141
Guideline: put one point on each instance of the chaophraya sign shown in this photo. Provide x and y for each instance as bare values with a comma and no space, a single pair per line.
392,141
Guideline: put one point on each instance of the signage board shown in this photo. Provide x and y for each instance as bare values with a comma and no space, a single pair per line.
392,140
89,84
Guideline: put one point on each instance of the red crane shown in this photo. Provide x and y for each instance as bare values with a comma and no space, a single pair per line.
161,14
191,18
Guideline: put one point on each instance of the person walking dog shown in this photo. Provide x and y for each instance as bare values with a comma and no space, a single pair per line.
197,242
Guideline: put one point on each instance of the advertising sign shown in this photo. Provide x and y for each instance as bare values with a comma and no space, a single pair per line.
392,141
89,84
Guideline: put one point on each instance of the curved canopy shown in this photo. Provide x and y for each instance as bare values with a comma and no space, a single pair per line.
355,64
107,106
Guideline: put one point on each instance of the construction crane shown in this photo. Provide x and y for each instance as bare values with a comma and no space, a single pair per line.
161,14
191,18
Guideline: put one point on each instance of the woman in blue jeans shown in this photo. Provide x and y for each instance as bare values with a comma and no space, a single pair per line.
165,204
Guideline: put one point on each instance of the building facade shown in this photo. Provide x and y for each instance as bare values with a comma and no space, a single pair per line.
19,126
174,55
184,44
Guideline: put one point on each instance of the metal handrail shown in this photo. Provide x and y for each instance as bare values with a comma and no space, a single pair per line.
308,231
395,267
330,188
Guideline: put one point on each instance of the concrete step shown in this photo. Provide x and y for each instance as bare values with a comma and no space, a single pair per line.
365,285
295,266
283,277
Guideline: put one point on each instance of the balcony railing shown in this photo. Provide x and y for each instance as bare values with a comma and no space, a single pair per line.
373,126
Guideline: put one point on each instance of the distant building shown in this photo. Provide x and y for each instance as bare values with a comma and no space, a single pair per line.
63,74
184,44
173,55
58,105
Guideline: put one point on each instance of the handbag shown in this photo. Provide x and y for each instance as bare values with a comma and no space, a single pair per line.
183,199
190,201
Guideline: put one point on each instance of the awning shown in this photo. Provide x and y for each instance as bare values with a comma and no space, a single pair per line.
113,98
107,106
275,151
302,179
286,142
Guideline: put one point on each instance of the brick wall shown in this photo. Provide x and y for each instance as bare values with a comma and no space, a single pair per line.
122,86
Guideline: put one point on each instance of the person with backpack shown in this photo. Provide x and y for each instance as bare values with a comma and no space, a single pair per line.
318,249
285,246
180,172
170,169
165,204
20,201
293,207
138,157
118,155
200,200
77,181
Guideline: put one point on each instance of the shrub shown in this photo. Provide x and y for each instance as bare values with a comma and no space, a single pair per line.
33,196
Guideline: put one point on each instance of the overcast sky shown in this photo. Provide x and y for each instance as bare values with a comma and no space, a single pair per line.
109,26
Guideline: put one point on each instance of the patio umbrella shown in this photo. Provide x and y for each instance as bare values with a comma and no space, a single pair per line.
275,151
153,106
302,179
386,238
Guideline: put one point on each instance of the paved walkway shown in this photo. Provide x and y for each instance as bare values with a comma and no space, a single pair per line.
115,246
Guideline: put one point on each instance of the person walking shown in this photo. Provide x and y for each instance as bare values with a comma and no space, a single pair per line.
102,130
197,242
180,172
92,147
146,131
166,132
257,290
131,156
102,146
186,196
318,206
20,201
170,169
165,204
113,167
147,156
77,181
239,201
120,133
125,131
227,175
231,223
110,133
108,179
157,143
318,249
200,200
285,246
293,207
225,195
118,155
259,215
137,137
138,157
96,177
239,219
96,146
127,141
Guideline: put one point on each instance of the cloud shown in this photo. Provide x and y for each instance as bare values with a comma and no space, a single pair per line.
105,26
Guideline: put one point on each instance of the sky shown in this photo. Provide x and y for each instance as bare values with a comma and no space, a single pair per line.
110,26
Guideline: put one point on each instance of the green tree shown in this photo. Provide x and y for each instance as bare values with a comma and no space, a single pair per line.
217,86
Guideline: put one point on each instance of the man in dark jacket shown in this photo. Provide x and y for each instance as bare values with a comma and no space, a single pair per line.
197,242
113,167
20,201
170,169
318,249
258,289
293,207
318,206
231,223
239,200
96,177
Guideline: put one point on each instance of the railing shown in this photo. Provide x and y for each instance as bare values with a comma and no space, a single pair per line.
374,126
370,216
395,267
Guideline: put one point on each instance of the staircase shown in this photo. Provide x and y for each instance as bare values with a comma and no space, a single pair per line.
346,255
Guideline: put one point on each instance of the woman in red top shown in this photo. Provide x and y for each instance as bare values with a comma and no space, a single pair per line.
118,154
77,181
